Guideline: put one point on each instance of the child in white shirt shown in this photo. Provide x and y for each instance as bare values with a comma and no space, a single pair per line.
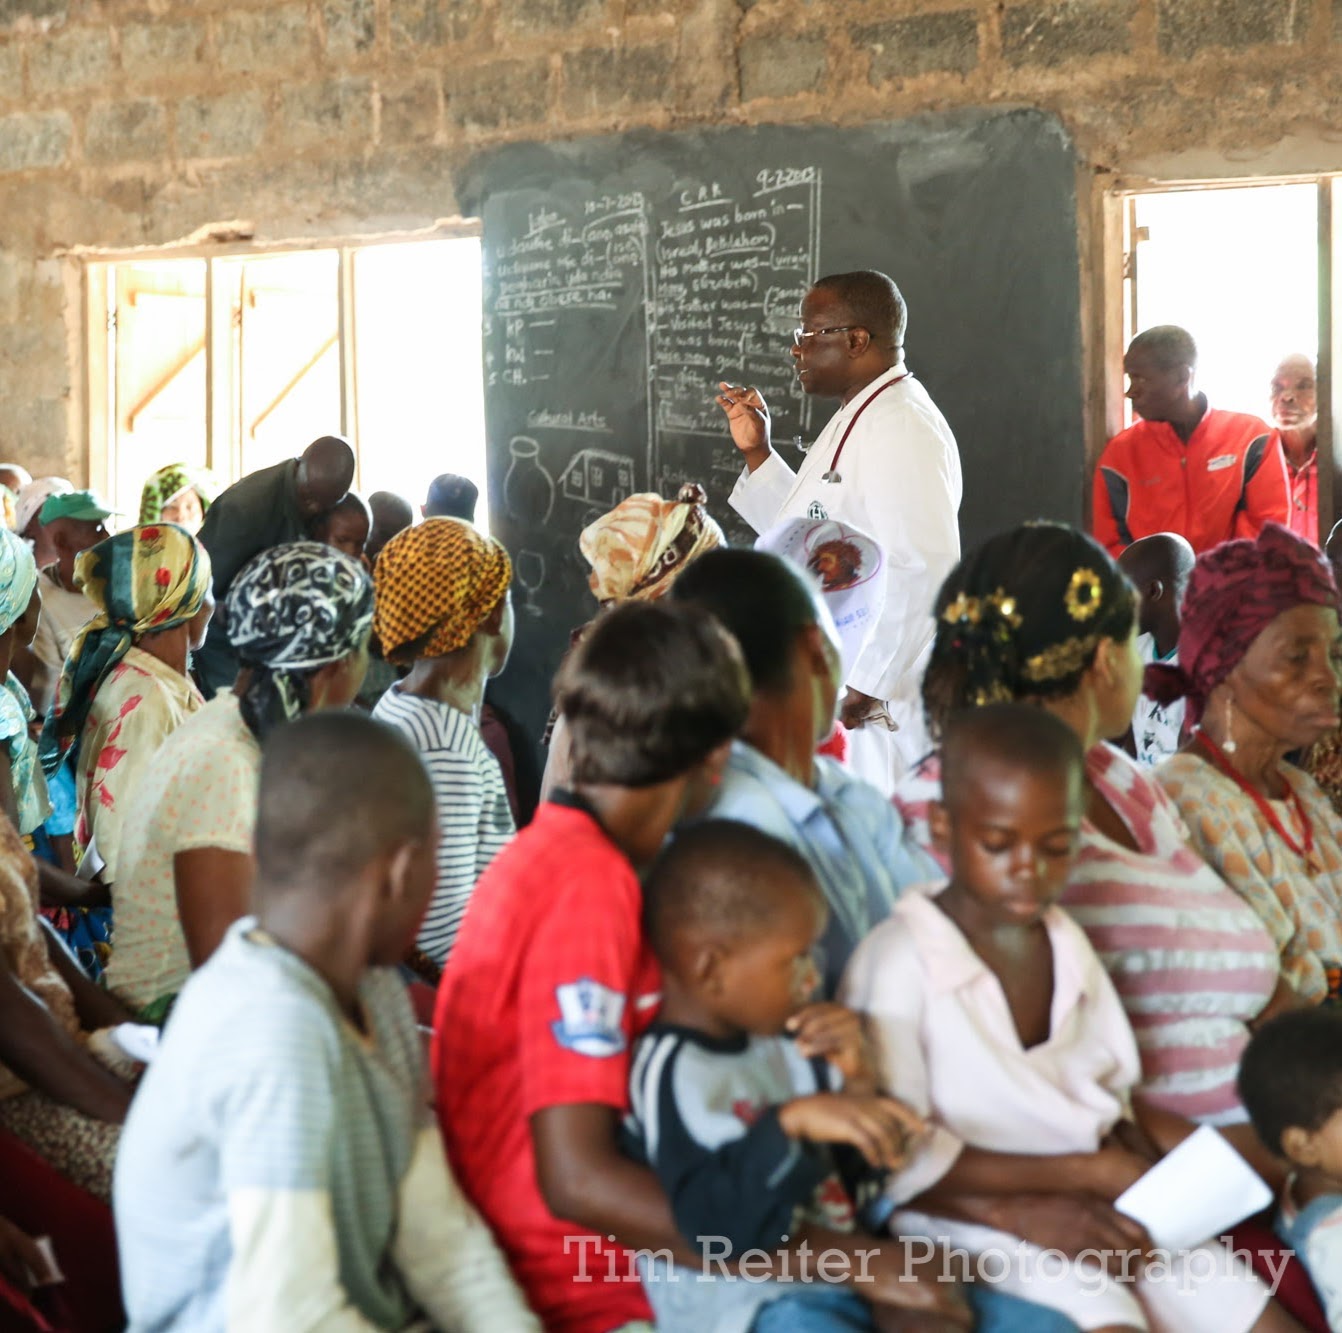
995,1019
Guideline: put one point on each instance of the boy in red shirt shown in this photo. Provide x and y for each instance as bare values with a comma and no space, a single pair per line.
551,981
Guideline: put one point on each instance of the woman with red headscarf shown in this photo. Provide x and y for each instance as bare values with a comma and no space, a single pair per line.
1258,665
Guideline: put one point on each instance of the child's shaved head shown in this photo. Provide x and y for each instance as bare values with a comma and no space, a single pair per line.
1021,735
723,879
337,791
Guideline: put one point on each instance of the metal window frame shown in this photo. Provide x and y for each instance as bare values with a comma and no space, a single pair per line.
223,333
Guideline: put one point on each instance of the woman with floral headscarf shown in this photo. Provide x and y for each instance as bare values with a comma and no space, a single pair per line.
443,611
1258,665
23,792
299,616
635,552
1041,614
178,494
125,688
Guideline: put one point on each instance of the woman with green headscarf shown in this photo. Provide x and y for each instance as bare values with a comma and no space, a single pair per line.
178,494
125,688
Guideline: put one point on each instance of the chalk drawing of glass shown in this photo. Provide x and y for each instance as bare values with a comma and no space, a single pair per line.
528,489
598,477
529,569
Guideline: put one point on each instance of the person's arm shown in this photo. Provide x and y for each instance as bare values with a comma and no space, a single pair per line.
584,1178
1104,1174
232,533
449,1259
1109,509
9,805
1075,1224
96,1008
213,888
21,1260
766,480
1164,1131
36,1048
904,492
59,888
1266,497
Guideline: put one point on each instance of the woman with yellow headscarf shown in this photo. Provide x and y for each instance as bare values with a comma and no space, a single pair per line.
443,611
124,688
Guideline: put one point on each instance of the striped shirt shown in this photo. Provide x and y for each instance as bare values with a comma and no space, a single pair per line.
474,819
1191,962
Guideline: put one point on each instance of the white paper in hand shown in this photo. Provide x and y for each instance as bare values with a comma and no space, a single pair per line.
138,1040
1195,1193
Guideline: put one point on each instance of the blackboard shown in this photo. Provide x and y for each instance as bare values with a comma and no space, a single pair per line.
624,276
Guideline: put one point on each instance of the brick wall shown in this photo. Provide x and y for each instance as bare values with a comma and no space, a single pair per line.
125,124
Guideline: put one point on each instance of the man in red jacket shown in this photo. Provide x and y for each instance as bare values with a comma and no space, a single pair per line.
1184,467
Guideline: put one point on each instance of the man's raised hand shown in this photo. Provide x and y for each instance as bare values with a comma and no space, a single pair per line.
748,420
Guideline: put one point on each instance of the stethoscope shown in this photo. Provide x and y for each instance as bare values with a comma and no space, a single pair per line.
832,476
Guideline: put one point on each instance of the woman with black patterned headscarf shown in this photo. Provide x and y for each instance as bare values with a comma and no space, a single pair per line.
299,616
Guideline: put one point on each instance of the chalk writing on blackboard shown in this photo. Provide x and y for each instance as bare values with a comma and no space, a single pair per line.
730,269
708,277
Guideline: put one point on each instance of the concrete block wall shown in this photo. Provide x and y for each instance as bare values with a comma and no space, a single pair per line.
136,122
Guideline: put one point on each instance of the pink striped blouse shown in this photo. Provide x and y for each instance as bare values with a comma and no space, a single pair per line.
1191,961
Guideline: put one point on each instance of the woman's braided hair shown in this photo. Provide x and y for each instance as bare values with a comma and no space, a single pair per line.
1021,618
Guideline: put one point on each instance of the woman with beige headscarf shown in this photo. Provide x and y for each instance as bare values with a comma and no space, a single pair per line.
443,610
636,552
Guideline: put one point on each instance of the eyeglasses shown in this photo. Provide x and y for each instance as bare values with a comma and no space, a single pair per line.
799,336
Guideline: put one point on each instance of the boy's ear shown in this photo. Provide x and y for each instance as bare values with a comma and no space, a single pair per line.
715,761
939,826
705,967
1153,591
1300,1146
396,878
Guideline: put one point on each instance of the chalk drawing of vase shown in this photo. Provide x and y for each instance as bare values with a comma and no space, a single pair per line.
528,489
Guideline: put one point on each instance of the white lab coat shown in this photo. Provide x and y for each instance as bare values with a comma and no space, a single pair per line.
899,481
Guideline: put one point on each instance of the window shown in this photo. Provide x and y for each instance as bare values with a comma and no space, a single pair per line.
238,360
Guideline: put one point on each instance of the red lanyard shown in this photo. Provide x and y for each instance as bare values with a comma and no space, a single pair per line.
1220,760
832,474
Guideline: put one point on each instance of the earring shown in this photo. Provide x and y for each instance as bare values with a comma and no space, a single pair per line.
1229,744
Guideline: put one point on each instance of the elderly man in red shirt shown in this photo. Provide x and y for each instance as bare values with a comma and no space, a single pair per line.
1185,466
1295,413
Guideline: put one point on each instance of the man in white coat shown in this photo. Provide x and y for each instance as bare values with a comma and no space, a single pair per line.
887,464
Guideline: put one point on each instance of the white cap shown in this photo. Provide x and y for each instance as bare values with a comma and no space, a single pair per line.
34,495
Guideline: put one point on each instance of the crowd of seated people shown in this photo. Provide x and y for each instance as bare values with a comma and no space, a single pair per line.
721,1006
